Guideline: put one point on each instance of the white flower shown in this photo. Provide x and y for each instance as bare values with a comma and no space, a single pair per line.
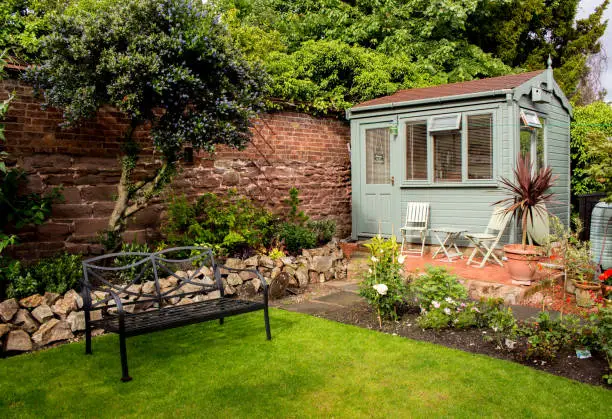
380,250
449,300
373,258
370,271
447,311
435,304
401,258
381,289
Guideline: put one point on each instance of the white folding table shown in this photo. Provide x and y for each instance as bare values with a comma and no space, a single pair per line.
447,236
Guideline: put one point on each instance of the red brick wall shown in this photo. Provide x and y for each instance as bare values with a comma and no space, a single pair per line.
288,149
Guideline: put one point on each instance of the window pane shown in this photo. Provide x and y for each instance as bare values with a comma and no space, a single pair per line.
526,141
539,148
480,147
447,156
416,150
378,168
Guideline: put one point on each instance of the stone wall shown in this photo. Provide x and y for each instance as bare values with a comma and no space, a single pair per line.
38,321
288,149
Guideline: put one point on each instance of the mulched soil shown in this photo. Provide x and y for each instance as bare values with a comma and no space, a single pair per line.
474,340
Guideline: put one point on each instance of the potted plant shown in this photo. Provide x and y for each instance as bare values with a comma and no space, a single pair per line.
528,195
606,286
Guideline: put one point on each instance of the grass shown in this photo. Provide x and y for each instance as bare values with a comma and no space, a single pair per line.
312,367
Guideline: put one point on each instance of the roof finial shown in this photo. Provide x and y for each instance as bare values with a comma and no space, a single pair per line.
549,62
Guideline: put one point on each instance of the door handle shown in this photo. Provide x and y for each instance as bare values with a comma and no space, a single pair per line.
392,180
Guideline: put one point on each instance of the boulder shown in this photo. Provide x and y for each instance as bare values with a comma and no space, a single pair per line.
52,331
322,263
75,296
76,320
301,274
321,277
205,280
235,263
189,288
278,286
234,279
246,275
213,295
180,274
95,315
32,301
275,272
278,263
8,309
228,289
289,261
43,313
313,277
51,298
203,271
247,290
64,306
136,289
184,301
24,320
256,284
266,261
18,341
148,287
289,270
4,329
252,261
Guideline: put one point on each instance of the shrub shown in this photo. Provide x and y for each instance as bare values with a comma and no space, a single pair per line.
129,275
296,237
57,274
383,284
230,224
436,285
603,324
324,229
546,337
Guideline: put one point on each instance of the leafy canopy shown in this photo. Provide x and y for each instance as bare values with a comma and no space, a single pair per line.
166,62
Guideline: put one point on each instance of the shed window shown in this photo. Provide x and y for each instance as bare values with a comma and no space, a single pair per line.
480,146
378,163
532,143
416,150
446,122
447,156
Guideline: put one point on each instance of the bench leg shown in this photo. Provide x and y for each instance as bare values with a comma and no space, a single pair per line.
124,365
88,340
221,320
267,320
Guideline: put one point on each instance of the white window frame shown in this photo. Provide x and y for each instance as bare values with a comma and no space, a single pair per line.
462,123
533,148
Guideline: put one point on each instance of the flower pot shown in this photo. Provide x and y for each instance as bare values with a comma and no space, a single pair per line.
522,262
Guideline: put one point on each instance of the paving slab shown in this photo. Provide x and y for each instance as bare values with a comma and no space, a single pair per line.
341,298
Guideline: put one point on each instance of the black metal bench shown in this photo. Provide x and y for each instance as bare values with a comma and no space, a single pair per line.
159,296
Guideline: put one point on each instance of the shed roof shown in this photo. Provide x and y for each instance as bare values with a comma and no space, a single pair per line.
454,89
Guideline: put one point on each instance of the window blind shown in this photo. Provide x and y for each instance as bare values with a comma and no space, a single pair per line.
447,156
480,146
378,165
416,150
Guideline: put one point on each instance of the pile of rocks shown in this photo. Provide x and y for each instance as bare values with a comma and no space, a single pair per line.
312,266
40,320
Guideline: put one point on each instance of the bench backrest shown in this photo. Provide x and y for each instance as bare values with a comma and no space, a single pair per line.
139,277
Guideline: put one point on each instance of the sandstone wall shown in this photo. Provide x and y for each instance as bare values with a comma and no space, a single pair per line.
288,149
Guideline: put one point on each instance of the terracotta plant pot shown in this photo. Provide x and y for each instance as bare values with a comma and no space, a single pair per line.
522,262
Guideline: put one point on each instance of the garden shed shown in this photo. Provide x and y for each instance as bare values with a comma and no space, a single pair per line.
450,144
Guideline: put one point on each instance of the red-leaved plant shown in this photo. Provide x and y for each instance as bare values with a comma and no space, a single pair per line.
528,192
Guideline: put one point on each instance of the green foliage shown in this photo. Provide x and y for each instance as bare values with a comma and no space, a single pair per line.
603,323
591,149
129,275
383,284
296,237
56,274
232,222
323,229
546,337
276,253
295,215
435,286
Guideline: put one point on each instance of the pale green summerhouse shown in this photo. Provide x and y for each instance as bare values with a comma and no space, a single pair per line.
450,144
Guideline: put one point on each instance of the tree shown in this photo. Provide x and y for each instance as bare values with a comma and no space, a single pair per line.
165,64
591,149
524,32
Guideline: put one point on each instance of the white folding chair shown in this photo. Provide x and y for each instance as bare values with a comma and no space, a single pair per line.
417,221
484,243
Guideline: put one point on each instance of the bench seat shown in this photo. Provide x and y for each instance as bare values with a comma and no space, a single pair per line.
176,316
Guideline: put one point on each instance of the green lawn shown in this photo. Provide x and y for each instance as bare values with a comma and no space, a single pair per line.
312,367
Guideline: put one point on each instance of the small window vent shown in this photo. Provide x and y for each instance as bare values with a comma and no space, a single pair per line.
446,122
530,119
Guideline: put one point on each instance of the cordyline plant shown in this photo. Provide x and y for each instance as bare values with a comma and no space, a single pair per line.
166,64
528,193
